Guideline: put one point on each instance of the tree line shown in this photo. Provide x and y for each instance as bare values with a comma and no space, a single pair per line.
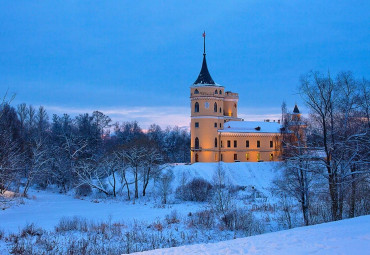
81,152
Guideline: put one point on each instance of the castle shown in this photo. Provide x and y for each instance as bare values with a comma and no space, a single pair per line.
217,134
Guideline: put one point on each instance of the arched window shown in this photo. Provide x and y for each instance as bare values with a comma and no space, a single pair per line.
215,107
216,142
196,91
220,109
196,157
196,107
220,92
196,143
216,92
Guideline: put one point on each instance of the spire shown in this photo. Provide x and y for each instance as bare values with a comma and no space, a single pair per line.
204,76
296,110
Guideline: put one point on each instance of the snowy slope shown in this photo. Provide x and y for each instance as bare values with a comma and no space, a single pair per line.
47,208
342,237
257,174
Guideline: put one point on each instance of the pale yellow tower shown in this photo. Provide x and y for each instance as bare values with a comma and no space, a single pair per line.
207,111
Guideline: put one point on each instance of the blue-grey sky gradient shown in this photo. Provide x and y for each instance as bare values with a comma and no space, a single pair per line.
140,57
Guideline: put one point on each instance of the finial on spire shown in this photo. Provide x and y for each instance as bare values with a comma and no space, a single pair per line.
204,42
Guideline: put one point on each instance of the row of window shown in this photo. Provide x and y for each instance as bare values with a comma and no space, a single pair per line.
236,157
247,156
229,143
246,144
216,91
206,105
196,124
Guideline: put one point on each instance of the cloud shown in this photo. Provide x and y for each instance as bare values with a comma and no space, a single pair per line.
163,116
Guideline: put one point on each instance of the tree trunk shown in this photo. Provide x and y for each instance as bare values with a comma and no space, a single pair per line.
146,181
136,183
353,193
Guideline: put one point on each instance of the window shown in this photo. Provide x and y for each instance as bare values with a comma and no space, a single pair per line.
220,109
196,124
220,125
258,144
196,107
247,143
258,156
228,143
215,124
247,156
271,144
196,143
221,144
234,105
220,92
206,105
235,156
196,157
216,92
235,143
196,91
215,107
215,142
222,157
271,156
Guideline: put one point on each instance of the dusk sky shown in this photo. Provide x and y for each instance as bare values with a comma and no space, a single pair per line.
135,60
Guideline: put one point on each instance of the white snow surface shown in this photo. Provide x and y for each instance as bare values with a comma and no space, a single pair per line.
46,208
250,127
350,236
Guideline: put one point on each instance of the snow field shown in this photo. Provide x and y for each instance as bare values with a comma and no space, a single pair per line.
351,236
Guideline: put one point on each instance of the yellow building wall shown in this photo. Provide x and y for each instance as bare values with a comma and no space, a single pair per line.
250,154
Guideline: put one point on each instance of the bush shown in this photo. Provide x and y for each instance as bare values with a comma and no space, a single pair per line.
71,224
197,189
31,230
205,218
243,220
83,190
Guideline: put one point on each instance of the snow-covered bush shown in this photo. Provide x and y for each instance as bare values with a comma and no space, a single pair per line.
198,189
83,190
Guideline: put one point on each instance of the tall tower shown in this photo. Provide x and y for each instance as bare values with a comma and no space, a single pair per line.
207,115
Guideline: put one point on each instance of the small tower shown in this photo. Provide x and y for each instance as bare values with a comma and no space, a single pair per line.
206,115
296,115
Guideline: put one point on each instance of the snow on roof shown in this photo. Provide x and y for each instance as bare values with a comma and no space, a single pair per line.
251,127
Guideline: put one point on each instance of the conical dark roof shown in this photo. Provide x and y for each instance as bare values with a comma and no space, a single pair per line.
204,76
296,110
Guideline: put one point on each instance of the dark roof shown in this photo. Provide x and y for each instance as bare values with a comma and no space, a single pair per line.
296,110
204,76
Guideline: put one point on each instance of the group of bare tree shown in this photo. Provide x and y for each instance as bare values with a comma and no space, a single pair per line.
85,152
327,155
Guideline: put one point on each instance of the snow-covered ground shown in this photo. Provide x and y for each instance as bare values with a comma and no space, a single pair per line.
350,236
46,208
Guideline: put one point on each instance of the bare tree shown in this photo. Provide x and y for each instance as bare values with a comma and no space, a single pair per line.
163,183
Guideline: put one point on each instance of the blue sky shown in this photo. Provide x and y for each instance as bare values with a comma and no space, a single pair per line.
137,59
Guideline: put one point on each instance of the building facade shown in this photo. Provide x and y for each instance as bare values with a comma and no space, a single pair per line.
217,134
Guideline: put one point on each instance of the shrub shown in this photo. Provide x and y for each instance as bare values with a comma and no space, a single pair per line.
204,218
197,189
83,190
31,230
243,220
71,224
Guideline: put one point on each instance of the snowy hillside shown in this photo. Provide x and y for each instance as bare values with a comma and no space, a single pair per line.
46,208
257,174
342,237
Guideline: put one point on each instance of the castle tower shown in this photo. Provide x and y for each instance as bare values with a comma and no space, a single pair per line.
207,115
